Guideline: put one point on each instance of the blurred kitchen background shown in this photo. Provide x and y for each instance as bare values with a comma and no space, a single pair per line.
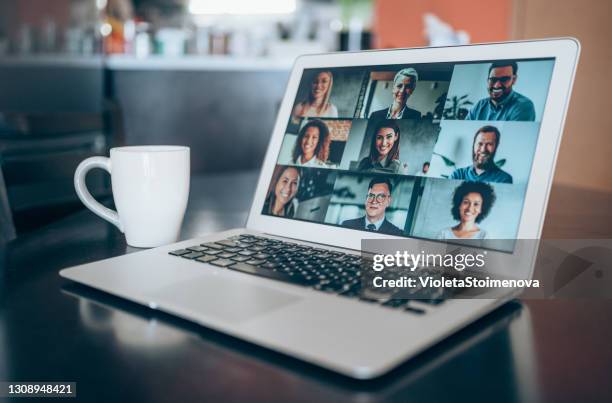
80,76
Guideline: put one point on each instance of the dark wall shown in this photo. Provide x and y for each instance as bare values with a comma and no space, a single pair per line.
49,88
225,117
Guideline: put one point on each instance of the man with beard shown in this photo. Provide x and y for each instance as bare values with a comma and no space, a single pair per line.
503,103
483,168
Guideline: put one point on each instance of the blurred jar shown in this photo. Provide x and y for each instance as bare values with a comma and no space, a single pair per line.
170,42
73,39
25,40
219,42
202,41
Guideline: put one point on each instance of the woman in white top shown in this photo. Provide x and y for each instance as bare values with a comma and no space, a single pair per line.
317,103
472,202
312,145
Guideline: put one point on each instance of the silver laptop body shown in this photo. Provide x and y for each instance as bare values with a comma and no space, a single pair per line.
348,335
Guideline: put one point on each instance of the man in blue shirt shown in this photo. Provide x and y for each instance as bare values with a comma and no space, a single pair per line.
503,103
483,168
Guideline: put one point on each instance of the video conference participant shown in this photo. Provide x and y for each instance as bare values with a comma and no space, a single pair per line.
317,102
503,102
384,150
377,201
404,84
483,168
312,145
472,202
280,200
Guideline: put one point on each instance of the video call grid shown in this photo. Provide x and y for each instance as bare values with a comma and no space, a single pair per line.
331,161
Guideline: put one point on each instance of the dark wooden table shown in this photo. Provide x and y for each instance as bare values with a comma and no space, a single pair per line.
54,330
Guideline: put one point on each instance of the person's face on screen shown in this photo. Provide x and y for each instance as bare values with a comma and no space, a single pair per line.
377,201
310,142
385,139
287,185
402,89
500,83
320,85
470,207
485,146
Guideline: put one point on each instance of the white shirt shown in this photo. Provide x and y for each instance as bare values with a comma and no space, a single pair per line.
399,115
314,162
304,110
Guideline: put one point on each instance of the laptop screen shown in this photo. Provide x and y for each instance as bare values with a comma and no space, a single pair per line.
439,151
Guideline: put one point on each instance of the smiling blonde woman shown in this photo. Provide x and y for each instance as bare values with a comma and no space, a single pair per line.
317,103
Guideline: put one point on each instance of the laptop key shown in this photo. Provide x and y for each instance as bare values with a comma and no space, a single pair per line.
226,255
197,248
192,255
273,275
213,252
248,240
228,243
180,252
414,310
206,258
240,258
396,303
212,245
222,262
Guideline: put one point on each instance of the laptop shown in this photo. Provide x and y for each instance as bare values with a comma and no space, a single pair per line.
421,148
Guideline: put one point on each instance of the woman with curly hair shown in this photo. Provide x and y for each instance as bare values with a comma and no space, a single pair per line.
472,202
312,146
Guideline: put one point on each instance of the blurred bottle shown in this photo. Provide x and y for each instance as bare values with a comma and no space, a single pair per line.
142,41
25,40
118,13
49,36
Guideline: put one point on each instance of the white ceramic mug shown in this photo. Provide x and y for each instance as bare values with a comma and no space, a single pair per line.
150,188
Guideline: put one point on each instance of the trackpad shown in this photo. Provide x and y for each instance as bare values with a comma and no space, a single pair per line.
231,301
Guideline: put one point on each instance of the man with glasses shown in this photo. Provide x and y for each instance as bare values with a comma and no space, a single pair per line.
503,103
377,201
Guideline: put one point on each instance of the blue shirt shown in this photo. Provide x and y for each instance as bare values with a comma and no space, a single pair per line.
514,107
490,175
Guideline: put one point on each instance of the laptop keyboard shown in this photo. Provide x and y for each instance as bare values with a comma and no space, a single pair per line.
320,269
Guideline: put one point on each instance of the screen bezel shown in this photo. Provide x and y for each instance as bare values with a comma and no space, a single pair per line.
564,51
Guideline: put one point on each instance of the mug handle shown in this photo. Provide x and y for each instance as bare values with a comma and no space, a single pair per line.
86,197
